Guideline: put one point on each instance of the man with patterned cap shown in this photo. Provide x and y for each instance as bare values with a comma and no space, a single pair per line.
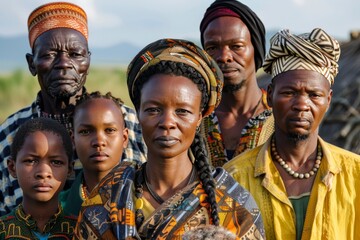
305,187
235,37
60,58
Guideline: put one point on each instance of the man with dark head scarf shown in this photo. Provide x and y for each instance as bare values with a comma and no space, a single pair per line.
235,37
302,184
60,59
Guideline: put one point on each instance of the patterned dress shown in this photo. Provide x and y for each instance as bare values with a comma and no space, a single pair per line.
109,212
255,133
18,225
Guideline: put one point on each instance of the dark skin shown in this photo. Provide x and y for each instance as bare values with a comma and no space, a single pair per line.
61,61
228,41
169,114
99,137
300,99
41,168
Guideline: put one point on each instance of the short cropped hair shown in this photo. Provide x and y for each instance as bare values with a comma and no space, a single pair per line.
41,125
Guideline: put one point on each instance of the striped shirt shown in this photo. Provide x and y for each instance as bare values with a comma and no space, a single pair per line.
11,193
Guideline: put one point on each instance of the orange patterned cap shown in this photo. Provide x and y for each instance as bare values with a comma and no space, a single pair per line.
56,15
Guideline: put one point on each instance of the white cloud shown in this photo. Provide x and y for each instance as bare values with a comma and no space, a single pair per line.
142,21
299,2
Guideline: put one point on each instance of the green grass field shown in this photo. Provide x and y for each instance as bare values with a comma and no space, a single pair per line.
18,89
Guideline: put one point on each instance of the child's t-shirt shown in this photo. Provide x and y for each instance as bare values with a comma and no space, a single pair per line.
17,224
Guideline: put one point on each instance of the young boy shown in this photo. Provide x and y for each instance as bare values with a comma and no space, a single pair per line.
41,160
99,136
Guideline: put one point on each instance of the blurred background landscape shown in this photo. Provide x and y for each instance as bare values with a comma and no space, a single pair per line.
119,29
18,88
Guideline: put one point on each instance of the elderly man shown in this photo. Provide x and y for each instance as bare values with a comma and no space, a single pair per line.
235,37
305,187
58,36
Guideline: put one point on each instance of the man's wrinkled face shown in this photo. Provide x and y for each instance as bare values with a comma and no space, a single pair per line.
300,99
61,60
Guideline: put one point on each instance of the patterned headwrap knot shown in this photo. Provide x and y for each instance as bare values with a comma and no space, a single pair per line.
221,8
56,15
186,52
316,51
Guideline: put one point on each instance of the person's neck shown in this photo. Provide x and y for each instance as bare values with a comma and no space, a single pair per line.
56,106
41,212
165,175
242,101
92,178
296,152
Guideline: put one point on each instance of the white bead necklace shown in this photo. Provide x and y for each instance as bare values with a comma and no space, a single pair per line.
288,168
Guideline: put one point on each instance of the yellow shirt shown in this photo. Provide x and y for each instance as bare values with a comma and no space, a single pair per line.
334,207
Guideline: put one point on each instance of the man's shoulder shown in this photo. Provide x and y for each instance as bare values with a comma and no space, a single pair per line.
129,109
129,114
18,117
10,217
244,160
343,154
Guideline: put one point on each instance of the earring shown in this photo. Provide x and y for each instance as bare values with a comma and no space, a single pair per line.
198,129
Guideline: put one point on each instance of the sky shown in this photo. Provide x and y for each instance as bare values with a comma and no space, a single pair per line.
142,21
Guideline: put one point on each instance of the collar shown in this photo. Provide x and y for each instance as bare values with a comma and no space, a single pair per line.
31,223
264,164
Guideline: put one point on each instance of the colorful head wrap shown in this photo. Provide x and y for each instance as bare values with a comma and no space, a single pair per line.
316,51
56,15
251,20
176,50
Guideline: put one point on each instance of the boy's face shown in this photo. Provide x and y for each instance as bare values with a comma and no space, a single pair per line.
99,135
41,167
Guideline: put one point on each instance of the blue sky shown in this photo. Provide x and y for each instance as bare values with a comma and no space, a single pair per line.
143,21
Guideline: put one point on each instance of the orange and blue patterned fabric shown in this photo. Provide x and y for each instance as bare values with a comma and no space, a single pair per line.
109,212
56,15
183,51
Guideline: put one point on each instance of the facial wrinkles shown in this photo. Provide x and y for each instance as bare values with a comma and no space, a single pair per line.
61,40
309,98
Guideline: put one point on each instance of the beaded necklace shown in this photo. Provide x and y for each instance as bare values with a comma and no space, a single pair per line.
84,192
64,119
289,169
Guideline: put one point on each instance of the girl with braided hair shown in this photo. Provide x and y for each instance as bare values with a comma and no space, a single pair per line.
100,136
173,84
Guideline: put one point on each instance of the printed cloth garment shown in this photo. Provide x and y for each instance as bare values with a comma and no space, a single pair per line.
18,225
110,211
256,132
10,192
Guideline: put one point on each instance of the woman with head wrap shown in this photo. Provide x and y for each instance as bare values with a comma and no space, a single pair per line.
304,186
173,84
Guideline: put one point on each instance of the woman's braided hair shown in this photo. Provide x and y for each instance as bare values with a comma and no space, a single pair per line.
198,147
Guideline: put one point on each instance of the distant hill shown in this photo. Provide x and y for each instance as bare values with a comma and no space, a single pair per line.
13,50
